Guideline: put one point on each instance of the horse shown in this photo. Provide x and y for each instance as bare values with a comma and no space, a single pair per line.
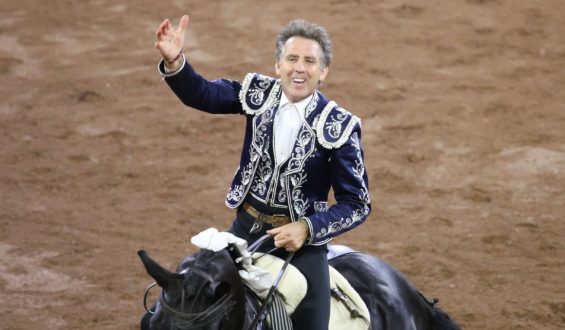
206,292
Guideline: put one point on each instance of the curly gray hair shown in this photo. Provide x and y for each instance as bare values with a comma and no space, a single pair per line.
307,30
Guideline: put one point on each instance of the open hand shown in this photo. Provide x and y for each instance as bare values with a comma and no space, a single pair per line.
170,41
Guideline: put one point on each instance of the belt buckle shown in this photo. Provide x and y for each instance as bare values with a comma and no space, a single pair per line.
279,220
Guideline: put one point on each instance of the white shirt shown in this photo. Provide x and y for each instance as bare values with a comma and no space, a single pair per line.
288,121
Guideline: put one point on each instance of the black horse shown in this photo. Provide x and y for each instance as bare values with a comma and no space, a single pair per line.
206,292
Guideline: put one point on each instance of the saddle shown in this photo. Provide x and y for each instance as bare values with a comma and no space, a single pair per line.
348,311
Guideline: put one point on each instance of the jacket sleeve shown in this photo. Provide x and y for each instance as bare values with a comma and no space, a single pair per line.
350,185
217,97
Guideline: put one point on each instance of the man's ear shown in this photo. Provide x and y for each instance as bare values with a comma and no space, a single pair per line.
277,68
324,74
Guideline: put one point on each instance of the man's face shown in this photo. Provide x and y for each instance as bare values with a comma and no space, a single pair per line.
300,68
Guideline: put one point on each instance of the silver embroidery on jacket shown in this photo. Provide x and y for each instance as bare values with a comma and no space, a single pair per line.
303,139
257,92
320,206
335,123
263,173
299,202
255,86
281,197
312,105
261,136
357,214
261,139
332,121
359,169
236,193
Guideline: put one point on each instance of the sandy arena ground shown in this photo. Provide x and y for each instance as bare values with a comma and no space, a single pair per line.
463,114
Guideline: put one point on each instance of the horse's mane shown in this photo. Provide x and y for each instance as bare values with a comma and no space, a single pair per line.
202,258
207,274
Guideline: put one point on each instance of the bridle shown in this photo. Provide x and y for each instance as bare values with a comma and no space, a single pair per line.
183,320
199,320
221,307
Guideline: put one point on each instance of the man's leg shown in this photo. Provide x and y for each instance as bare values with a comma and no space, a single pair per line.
313,313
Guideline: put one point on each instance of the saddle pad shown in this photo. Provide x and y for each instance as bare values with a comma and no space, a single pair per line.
293,286
340,317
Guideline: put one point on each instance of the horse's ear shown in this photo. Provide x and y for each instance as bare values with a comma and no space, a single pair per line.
163,277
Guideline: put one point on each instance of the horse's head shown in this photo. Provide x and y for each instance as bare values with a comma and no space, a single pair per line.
205,292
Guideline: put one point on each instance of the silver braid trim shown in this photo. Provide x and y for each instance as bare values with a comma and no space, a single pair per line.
343,134
262,83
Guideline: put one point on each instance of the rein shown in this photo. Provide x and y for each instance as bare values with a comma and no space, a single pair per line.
192,320
145,297
222,307
260,316
198,320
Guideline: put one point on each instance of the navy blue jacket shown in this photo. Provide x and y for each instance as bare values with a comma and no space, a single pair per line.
327,152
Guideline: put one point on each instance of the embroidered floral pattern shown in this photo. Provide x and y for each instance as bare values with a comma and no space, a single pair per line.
320,206
281,197
334,126
257,92
263,173
253,95
359,168
261,141
312,105
285,185
261,136
299,202
357,214
343,223
303,140
236,193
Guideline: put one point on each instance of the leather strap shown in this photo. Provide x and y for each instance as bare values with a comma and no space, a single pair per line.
276,220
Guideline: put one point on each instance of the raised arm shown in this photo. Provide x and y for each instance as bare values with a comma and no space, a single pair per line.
218,96
170,41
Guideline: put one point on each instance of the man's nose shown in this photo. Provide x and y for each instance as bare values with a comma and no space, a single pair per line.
299,67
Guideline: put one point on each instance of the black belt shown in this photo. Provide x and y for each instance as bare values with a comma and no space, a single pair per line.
276,220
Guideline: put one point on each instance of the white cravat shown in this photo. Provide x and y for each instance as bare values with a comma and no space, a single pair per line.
288,121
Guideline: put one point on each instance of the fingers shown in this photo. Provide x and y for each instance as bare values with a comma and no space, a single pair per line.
169,40
163,28
291,236
161,32
274,231
166,26
183,24
282,243
278,238
289,242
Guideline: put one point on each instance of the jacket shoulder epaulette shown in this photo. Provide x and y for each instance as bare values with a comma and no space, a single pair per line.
258,93
335,125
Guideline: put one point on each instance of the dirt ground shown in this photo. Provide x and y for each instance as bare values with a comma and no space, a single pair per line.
462,103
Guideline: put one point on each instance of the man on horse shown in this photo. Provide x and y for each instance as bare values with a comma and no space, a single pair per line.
297,146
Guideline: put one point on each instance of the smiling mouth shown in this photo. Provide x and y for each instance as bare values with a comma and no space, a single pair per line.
298,81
